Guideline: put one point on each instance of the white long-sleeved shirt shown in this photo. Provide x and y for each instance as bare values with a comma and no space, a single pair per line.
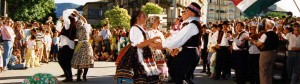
154,33
294,41
224,41
238,41
176,41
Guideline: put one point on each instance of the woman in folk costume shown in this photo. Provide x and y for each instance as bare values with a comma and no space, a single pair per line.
188,38
83,57
138,63
153,23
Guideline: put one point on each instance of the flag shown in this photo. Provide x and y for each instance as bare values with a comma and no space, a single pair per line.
252,8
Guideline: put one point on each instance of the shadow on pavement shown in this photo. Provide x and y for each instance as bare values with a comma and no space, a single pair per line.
14,77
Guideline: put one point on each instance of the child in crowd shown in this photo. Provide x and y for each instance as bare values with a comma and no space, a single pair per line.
48,41
55,41
30,50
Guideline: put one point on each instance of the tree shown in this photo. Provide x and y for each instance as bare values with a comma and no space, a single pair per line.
151,8
118,17
28,10
102,22
275,14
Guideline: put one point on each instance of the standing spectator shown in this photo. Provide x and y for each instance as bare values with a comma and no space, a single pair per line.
40,44
97,41
268,44
293,60
8,37
204,49
113,44
1,48
55,48
105,33
18,44
48,42
30,49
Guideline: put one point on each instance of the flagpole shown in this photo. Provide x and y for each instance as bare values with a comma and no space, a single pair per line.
296,5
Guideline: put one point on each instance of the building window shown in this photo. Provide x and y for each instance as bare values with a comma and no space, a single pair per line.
231,16
100,13
93,13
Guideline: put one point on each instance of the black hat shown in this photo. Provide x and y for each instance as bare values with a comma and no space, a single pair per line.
194,7
226,22
220,26
214,26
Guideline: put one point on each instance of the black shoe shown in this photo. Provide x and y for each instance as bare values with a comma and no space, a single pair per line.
203,71
217,78
78,80
67,80
25,68
208,73
62,75
224,78
170,81
84,78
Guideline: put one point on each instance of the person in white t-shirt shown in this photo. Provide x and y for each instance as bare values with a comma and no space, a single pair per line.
30,50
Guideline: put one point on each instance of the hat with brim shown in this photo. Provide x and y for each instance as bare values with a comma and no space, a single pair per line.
195,8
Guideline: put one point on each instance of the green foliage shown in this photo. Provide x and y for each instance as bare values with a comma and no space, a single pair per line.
28,10
118,17
275,14
151,8
102,22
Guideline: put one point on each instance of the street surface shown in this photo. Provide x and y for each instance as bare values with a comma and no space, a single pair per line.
102,73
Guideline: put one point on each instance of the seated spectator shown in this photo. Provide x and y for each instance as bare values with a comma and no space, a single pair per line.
14,63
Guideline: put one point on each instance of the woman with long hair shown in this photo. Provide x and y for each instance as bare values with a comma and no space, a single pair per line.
19,37
138,63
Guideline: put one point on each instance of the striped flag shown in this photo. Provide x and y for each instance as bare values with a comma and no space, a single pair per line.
252,8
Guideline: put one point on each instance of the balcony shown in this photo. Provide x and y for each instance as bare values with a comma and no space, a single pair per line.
221,11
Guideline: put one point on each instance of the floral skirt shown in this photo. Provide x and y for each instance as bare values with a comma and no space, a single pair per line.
83,56
130,67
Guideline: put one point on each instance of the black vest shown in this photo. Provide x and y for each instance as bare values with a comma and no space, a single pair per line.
271,42
194,41
205,40
71,32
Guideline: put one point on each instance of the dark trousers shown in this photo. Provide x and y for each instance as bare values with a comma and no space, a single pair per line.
253,68
222,62
169,63
183,64
107,45
64,59
293,67
205,60
241,57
